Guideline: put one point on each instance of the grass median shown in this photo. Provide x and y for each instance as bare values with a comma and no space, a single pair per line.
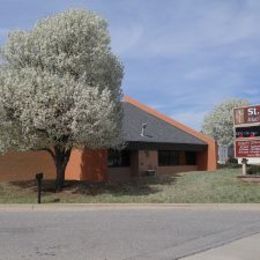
221,186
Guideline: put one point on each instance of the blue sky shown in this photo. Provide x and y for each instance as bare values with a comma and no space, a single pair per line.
181,57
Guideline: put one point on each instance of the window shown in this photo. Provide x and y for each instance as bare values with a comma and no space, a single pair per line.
191,158
118,158
169,158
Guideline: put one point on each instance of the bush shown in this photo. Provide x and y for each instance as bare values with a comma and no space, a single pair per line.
253,169
232,163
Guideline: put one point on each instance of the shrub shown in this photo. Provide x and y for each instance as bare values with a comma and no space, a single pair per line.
253,169
232,163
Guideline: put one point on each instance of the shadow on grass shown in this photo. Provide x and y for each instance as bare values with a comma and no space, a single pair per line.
136,187
47,185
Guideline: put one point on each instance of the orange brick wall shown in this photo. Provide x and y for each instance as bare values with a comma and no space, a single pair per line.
83,165
119,174
15,166
87,165
148,160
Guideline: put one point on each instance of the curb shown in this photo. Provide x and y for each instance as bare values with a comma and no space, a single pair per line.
95,206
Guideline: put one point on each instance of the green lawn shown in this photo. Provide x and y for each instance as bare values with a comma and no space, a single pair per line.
221,186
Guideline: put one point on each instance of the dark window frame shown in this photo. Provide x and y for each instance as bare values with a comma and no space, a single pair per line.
168,158
190,158
118,158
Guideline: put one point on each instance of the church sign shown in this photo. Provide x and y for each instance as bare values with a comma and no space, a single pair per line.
247,115
248,149
247,132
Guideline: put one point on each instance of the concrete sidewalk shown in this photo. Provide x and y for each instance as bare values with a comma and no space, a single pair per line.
243,249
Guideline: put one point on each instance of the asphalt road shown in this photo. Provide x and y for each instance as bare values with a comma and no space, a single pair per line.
120,233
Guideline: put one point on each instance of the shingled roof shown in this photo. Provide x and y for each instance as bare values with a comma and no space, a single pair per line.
157,131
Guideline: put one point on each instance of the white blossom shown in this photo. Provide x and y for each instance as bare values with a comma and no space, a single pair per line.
60,85
219,122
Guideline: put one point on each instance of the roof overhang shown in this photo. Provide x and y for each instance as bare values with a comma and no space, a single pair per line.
165,146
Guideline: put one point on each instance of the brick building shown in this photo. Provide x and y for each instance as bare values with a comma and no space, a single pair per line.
153,143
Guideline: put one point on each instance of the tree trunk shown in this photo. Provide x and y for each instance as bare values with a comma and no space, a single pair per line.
61,158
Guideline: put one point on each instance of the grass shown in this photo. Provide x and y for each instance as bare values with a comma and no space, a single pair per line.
221,186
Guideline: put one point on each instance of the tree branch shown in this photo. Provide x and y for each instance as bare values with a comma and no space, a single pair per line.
50,152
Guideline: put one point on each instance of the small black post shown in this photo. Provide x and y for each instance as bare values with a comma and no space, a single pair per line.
39,177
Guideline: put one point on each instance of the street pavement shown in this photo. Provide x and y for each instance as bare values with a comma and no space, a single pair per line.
124,233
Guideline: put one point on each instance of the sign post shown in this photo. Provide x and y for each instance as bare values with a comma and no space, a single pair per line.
247,135
39,177
244,164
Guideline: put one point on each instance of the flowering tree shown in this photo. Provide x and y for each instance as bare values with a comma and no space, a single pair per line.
60,88
219,122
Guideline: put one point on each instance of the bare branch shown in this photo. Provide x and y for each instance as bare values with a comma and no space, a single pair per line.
50,152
